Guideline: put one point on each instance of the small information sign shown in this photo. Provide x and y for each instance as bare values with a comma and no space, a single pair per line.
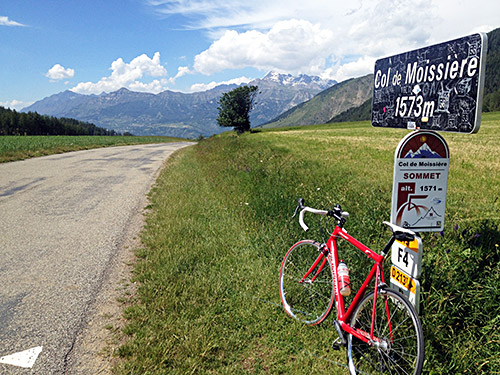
407,256
439,87
407,285
420,182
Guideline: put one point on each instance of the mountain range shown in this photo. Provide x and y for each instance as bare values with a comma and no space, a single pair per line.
424,152
283,100
178,114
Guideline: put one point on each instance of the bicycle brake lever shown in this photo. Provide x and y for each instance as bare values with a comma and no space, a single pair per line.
299,207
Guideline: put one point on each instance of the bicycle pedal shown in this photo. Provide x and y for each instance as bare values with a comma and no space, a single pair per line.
337,343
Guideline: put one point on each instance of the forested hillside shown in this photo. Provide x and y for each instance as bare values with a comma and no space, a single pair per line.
31,123
491,99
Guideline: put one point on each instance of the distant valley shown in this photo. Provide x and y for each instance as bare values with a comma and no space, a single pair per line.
178,114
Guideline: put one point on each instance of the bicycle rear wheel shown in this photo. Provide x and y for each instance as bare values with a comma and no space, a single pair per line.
309,301
401,350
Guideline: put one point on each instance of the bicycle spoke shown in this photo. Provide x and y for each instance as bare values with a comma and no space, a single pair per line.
306,300
400,350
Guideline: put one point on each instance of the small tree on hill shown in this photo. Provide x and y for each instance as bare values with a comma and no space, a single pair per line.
235,106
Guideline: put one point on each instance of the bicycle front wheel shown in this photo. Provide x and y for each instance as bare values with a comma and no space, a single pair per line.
397,326
308,301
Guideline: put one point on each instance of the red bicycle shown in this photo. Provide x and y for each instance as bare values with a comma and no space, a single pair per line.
381,329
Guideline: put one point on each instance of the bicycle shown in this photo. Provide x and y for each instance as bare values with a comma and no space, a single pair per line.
384,333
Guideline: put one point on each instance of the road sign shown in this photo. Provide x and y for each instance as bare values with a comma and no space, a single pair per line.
439,87
407,256
420,182
407,285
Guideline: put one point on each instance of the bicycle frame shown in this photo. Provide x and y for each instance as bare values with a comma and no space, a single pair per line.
376,273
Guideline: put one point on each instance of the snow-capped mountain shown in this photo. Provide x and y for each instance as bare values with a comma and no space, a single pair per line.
424,152
301,80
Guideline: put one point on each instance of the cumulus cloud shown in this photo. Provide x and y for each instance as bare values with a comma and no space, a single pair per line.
133,75
292,46
330,38
58,72
311,37
208,86
353,69
181,71
4,21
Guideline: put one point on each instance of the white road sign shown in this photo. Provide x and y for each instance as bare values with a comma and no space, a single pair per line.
420,182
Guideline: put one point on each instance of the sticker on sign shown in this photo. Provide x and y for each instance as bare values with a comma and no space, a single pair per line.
407,285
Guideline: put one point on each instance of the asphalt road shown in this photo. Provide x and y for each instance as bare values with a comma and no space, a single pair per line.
62,221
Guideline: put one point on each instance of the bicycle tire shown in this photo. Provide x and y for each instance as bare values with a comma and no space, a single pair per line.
308,302
401,354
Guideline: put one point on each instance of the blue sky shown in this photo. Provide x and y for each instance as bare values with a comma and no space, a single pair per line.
90,47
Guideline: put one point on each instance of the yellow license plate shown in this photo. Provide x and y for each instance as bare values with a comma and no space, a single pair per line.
403,279
413,245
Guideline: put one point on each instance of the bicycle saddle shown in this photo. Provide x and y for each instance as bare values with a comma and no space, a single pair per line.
400,233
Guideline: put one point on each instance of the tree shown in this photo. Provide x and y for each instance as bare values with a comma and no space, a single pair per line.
235,106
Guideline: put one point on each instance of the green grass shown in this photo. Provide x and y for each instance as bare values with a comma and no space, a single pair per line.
220,224
24,147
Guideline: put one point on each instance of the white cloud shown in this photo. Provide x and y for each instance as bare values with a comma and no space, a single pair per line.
4,21
208,86
131,75
360,67
181,71
58,72
321,36
256,14
292,46
15,104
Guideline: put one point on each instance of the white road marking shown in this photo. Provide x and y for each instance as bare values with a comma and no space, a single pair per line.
24,359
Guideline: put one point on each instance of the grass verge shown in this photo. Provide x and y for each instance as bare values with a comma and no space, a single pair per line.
24,147
208,299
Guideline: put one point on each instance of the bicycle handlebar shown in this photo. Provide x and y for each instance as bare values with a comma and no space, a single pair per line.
337,213
311,210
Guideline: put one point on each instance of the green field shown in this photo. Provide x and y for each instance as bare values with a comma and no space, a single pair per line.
24,147
220,223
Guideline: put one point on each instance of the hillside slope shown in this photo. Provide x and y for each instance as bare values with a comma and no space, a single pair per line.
491,99
327,104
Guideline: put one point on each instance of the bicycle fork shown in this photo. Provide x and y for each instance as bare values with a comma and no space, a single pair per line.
321,258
